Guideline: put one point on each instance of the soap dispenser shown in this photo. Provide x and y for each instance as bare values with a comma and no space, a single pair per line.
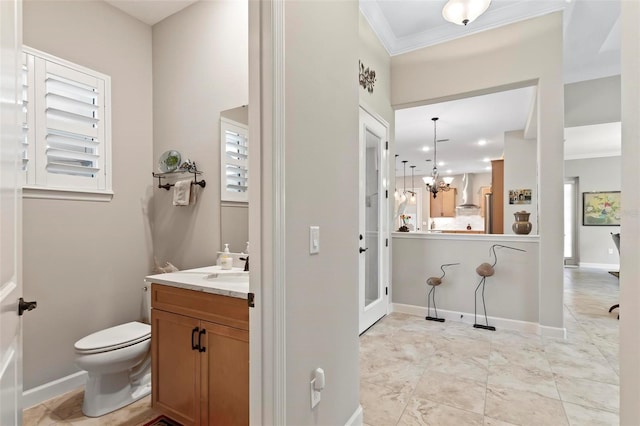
226,260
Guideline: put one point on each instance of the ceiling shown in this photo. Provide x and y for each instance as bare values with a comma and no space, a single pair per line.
150,11
462,123
591,50
591,28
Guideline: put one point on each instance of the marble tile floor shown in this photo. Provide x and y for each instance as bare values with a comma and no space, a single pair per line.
67,410
417,372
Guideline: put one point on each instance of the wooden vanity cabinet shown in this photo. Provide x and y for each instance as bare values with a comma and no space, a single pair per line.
200,356
444,205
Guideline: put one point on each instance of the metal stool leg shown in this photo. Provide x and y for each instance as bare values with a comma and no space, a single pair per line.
484,306
432,295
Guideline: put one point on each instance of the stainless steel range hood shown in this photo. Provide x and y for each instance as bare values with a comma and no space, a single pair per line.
467,207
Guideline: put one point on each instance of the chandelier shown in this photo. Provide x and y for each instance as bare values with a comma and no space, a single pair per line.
433,184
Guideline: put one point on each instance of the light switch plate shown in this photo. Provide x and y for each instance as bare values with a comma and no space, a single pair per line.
314,239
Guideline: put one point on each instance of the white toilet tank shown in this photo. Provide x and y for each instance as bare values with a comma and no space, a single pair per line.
146,304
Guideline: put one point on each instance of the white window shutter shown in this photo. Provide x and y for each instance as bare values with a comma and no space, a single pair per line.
234,161
71,138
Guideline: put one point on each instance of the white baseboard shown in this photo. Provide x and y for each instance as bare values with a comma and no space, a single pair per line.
467,318
52,389
605,266
557,332
357,418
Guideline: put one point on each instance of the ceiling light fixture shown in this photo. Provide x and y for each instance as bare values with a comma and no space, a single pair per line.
396,194
462,12
433,185
482,142
412,200
403,197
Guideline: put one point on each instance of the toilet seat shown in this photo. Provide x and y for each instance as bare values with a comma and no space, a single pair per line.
114,338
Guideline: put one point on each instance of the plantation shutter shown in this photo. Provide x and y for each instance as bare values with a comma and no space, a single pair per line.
234,161
71,137
27,153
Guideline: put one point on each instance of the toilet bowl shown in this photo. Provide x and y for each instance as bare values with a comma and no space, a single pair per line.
118,363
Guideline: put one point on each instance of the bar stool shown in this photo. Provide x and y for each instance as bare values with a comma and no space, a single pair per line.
435,282
486,270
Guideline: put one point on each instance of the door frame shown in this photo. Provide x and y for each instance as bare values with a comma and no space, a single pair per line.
574,260
11,205
381,308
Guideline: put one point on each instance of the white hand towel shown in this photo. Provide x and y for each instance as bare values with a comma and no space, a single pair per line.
181,191
193,195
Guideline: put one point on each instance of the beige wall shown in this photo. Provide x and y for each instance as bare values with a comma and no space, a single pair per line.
595,174
321,183
375,57
520,172
511,56
630,247
200,68
84,262
592,102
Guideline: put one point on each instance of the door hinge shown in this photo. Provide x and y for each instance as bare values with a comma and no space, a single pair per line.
386,145
386,242
251,300
386,193
386,291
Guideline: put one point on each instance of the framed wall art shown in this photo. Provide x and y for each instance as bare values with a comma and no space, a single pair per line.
601,208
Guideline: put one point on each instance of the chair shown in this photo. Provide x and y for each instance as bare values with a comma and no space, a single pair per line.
435,282
616,241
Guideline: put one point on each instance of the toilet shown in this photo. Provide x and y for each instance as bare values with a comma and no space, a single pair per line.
118,360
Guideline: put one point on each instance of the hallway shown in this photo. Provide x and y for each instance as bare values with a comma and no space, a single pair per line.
416,372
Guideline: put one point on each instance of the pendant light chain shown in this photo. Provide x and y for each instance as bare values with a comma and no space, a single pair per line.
404,165
435,150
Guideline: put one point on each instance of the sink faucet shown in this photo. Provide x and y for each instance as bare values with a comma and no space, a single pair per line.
246,264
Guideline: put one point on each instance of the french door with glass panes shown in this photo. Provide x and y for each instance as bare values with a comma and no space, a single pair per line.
374,219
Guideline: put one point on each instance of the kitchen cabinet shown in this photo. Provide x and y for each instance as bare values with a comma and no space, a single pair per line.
444,205
200,356
497,189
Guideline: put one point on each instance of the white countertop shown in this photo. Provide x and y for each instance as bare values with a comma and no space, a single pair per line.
210,279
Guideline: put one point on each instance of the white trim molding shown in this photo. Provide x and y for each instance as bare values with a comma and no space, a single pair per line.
52,389
279,210
499,323
357,419
603,266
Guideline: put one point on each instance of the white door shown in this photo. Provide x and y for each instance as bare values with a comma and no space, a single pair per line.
10,211
374,219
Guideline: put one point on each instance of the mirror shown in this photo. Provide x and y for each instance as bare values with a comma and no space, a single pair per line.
234,206
477,139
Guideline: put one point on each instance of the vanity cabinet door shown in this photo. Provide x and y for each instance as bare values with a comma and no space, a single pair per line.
225,375
175,374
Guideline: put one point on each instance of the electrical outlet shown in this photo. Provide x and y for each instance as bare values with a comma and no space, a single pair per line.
315,395
610,251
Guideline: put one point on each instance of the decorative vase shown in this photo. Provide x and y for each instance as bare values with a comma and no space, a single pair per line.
522,226
403,228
